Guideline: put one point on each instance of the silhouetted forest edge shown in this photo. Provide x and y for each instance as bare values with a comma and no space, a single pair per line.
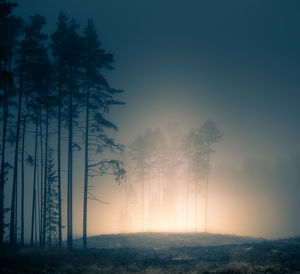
252,256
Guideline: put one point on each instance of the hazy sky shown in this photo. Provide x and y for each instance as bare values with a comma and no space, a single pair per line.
234,62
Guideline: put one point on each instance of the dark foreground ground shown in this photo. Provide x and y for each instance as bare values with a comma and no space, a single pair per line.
160,253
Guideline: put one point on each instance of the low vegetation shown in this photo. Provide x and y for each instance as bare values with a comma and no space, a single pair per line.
277,256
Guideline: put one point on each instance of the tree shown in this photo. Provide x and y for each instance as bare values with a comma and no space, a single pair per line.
31,55
188,149
207,135
74,57
80,89
59,52
33,208
98,99
24,125
34,70
138,154
147,152
52,204
10,27
197,147
47,103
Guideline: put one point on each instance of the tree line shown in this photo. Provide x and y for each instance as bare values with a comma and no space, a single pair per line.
54,99
167,186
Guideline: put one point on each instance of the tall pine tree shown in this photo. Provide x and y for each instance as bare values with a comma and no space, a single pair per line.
98,99
74,57
10,29
59,53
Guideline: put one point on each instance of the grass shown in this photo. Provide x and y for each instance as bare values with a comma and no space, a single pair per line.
281,256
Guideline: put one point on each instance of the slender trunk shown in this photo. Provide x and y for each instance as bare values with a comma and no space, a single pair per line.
149,198
86,169
206,194
23,179
70,171
38,230
36,215
186,207
41,182
196,205
143,203
187,196
33,212
205,212
2,179
58,166
13,215
45,201
48,199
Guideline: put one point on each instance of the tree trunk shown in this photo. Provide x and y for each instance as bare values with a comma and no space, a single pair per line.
187,196
86,170
58,165
196,206
143,202
48,210
70,171
2,179
33,212
45,200
41,182
13,215
206,194
23,179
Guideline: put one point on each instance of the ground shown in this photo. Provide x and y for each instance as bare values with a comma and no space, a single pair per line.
159,253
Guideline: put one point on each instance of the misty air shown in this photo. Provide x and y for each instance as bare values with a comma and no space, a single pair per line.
149,136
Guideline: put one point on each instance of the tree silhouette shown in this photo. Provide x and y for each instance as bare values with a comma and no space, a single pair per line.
59,54
51,201
10,27
207,135
67,85
74,57
99,97
197,145
33,56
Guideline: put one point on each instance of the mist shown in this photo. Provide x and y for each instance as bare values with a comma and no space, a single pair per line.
151,125
188,70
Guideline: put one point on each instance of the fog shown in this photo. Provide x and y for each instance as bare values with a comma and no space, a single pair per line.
253,197
181,64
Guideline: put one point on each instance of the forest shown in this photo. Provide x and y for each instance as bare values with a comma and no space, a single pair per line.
52,87
56,102
54,93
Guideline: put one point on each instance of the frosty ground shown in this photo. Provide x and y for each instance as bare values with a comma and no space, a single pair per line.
159,253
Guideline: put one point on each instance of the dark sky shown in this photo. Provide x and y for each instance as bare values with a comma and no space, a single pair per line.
234,62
